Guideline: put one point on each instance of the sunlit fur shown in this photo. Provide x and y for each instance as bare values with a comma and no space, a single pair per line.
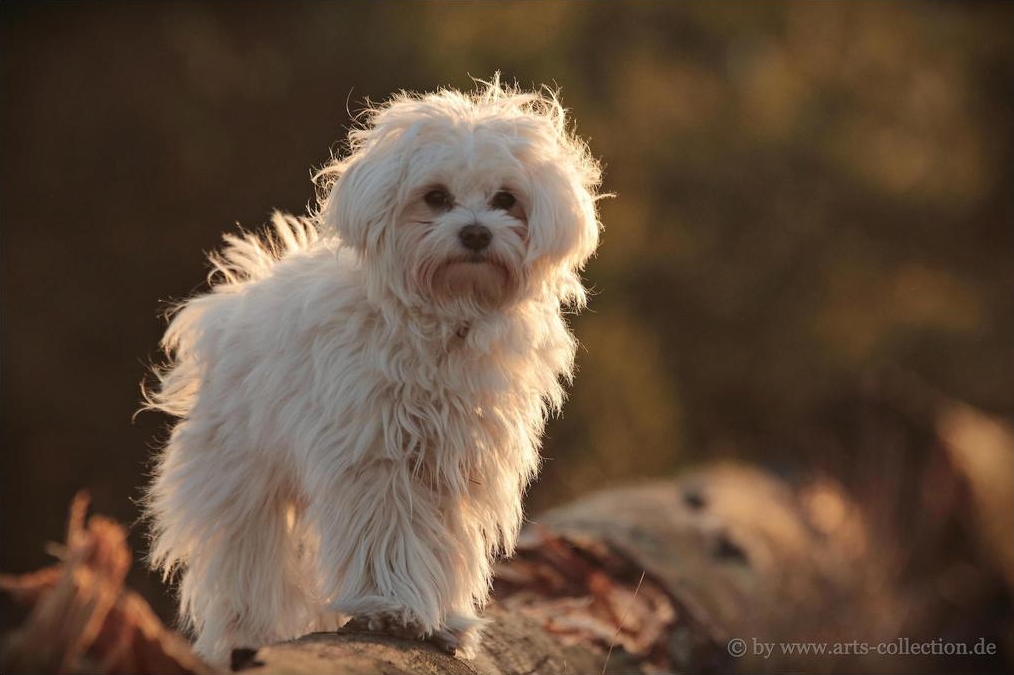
360,397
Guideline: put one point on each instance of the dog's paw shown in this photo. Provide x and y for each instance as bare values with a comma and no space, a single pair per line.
389,622
395,623
377,614
460,635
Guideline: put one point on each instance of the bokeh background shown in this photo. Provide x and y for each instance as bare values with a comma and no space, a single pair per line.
805,193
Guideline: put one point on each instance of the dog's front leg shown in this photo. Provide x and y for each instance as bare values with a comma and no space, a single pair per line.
386,555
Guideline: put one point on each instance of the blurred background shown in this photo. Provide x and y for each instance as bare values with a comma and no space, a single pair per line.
807,194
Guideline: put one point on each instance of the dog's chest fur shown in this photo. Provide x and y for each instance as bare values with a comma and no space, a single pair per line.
366,385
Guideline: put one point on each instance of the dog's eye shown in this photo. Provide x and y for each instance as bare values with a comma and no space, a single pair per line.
502,200
438,199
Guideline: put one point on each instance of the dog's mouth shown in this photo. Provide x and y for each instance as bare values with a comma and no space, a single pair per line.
478,277
475,267
476,260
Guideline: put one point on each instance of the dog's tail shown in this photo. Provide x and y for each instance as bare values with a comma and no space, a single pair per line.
246,257
250,257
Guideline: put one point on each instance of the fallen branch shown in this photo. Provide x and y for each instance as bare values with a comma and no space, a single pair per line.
82,618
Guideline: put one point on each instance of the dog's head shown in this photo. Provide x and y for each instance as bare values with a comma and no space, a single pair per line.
467,202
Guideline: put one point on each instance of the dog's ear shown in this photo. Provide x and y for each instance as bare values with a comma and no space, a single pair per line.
563,226
363,197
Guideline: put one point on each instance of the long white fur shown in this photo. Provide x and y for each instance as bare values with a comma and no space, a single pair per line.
356,431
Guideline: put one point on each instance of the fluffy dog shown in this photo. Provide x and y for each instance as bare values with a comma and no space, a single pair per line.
361,395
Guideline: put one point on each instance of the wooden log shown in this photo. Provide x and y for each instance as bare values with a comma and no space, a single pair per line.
651,578
706,572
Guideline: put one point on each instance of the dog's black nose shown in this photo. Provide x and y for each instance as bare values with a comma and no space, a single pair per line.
475,237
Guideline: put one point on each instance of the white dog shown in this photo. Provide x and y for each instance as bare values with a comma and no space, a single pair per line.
362,394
